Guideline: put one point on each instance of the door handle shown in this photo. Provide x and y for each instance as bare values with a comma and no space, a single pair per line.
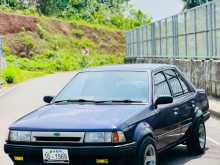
193,103
175,111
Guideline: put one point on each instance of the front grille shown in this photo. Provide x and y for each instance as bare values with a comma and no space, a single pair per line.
59,137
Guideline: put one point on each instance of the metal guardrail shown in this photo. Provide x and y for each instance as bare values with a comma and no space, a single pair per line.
192,34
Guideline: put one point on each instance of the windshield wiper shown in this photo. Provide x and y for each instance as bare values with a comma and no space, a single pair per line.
76,101
119,101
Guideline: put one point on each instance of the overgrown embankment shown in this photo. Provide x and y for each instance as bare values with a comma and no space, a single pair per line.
39,45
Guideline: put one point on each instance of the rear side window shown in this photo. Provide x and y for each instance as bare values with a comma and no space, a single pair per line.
184,85
175,83
161,87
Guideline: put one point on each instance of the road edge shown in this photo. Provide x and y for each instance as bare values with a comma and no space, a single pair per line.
6,90
214,113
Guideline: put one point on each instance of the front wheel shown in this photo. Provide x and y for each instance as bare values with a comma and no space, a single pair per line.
147,154
196,143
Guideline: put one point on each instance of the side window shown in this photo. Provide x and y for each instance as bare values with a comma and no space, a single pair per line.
184,85
161,87
175,83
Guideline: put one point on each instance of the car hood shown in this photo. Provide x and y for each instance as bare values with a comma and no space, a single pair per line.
78,117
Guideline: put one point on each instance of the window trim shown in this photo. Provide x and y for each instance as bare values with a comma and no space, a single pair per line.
154,74
178,75
189,84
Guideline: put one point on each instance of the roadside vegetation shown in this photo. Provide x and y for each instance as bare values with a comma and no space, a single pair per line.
48,36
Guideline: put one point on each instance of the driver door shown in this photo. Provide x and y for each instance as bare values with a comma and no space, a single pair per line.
168,128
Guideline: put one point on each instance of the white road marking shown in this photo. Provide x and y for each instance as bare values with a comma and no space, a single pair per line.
213,141
7,91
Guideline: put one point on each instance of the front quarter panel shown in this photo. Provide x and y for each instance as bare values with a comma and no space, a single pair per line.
142,130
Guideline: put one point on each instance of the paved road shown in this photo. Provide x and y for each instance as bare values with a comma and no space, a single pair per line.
27,96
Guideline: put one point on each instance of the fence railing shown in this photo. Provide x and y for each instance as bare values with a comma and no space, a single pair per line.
193,34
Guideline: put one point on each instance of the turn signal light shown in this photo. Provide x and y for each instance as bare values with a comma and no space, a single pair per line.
18,158
118,137
115,137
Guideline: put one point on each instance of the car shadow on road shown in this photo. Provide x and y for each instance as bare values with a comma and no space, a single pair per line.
176,156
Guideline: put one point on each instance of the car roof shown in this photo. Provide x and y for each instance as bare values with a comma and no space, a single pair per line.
131,67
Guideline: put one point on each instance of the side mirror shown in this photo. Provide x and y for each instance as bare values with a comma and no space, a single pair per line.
164,100
48,99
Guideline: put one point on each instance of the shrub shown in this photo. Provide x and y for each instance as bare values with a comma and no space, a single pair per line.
40,31
78,33
84,43
26,42
10,75
13,75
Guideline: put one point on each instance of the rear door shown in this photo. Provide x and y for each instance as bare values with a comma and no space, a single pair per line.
183,99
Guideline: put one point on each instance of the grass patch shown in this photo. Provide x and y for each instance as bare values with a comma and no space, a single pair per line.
13,75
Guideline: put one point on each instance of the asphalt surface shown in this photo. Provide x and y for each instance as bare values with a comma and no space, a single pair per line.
25,97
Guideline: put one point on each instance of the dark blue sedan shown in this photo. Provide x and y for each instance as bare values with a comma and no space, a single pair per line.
113,114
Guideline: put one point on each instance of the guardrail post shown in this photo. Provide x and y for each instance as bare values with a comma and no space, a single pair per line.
195,31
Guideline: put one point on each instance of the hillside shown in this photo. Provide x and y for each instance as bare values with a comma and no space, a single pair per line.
40,45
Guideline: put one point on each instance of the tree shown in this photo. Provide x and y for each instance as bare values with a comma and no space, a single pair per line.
193,3
51,7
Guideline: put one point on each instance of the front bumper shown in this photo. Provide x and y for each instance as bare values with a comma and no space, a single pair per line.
78,154
206,116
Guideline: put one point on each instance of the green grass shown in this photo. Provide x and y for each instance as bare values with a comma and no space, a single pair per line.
21,69
14,75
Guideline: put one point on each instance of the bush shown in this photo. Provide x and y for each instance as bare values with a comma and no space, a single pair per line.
78,33
83,43
13,75
40,31
26,44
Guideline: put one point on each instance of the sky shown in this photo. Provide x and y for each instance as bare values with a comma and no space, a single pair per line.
159,9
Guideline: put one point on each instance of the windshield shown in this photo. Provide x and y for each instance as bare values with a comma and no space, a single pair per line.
107,86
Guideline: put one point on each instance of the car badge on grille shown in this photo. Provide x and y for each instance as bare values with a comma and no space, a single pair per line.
56,134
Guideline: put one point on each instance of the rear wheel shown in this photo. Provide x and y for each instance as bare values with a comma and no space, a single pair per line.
147,154
196,143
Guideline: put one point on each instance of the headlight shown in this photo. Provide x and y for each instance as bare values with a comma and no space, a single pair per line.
104,137
20,136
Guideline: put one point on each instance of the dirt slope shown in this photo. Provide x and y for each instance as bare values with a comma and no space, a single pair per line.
15,23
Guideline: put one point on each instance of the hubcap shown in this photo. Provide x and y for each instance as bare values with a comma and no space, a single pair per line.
150,155
202,136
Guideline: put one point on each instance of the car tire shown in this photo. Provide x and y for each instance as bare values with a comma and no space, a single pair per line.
196,143
147,153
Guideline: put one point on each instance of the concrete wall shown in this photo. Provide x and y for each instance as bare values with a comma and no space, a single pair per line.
204,74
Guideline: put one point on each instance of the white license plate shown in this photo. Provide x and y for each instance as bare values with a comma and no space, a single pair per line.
55,156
